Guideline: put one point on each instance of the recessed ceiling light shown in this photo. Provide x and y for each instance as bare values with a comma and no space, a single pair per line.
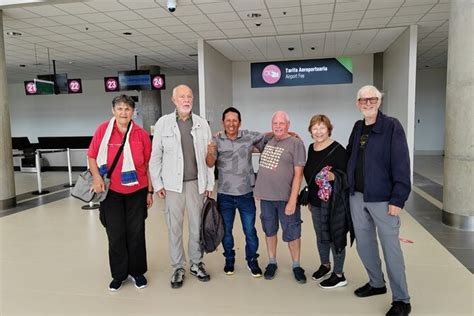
127,33
192,55
254,15
22,66
13,33
291,48
313,48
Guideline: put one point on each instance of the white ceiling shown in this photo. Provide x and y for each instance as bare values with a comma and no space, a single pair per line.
86,37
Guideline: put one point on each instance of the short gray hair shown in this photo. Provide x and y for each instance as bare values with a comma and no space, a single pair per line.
369,88
123,98
180,86
287,117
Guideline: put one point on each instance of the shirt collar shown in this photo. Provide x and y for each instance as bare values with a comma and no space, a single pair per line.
190,116
224,135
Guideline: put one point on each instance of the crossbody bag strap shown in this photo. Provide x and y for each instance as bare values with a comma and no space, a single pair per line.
117,156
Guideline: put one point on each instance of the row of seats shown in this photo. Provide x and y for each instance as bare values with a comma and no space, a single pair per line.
54,142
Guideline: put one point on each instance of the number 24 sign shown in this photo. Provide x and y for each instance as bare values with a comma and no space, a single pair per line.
158,82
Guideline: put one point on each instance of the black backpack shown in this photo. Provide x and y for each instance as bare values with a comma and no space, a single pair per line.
212,226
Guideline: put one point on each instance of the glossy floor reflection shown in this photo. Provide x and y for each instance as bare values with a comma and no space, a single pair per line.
53,261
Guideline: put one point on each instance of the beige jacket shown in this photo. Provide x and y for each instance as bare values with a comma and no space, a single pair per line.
166,163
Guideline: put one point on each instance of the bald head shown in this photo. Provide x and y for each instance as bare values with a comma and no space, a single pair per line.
180,88
280,124
282,114
183,100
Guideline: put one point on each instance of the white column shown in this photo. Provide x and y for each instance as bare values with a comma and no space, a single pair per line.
458,188
7,179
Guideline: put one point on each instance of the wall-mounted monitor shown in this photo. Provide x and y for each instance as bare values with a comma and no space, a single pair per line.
60,82
134,80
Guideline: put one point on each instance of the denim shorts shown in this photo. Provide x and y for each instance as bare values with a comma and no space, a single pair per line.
274,211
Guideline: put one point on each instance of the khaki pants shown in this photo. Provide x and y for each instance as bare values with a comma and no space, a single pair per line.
176,203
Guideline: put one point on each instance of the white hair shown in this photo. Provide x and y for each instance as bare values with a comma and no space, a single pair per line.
287,117
371,89
180,86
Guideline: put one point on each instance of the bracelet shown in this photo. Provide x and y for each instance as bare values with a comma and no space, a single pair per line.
151,192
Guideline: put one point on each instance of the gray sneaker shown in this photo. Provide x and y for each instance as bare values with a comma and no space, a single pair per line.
177,278
199,271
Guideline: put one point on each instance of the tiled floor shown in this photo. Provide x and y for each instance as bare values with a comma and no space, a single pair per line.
428,178
53,261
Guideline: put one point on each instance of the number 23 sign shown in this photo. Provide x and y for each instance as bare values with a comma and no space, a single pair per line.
111,84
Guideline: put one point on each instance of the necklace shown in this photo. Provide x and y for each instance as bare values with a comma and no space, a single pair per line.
323,145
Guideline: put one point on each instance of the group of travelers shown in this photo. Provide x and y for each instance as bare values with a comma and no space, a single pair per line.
359,190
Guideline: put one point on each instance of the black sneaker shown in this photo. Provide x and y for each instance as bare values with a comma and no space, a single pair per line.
115,285
140,281
367,290
199,272
299,275
321,273
333,281
177,278
229,267
399,309
255,270
270,271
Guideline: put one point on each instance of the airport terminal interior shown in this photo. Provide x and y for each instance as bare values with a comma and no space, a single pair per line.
53,248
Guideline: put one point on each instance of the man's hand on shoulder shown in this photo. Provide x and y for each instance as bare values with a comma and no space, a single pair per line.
294,134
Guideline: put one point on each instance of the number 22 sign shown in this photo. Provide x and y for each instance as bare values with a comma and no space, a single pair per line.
74,86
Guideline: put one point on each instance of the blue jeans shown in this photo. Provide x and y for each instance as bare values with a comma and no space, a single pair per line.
325,247
246,206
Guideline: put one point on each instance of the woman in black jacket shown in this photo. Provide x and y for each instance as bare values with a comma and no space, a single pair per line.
325,154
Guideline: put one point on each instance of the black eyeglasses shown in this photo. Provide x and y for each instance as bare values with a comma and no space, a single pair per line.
364,101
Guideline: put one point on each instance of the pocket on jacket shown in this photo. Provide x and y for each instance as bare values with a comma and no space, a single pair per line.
169,142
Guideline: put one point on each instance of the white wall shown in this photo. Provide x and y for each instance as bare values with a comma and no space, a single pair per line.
399,82
74,115
171,82
336,101
215,83
430,111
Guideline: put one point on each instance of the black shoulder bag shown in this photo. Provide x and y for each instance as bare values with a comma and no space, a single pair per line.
303,197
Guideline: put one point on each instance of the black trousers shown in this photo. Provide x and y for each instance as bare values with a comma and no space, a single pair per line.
123,216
